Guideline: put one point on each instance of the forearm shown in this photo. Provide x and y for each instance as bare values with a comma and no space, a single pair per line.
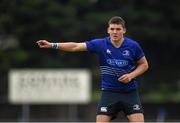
72,46
139,70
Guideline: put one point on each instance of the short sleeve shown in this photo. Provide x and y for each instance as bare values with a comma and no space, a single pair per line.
138,52
93,45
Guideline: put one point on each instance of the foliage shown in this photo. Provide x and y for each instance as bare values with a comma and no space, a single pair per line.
154,24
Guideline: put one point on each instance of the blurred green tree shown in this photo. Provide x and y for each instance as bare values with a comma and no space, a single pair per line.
155,24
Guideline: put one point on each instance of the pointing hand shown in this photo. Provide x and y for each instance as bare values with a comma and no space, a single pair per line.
44,44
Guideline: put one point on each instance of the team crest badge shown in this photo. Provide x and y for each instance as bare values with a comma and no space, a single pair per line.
126,53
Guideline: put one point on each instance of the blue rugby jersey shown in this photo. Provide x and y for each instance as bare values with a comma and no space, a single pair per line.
114,62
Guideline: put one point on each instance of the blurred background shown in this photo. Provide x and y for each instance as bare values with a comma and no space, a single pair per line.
155,24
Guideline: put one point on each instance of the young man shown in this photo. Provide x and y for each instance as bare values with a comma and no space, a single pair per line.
121,60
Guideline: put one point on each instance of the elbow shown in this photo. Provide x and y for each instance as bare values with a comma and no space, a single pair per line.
146,66
74,49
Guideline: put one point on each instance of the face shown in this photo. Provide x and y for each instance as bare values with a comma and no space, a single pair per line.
116,32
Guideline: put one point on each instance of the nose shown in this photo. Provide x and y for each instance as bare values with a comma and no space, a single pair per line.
114,31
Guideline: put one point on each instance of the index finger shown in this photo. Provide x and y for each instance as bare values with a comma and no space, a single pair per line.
39,41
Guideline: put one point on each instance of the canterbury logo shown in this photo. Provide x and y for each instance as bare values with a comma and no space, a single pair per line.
103,109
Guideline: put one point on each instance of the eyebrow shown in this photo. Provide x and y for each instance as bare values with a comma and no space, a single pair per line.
114,28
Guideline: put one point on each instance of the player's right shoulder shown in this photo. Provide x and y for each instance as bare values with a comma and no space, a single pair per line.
95,44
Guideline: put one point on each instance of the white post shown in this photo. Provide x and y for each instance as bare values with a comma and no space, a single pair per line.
25,112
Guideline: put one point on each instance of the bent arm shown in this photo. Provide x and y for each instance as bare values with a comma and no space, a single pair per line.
68,46
141,68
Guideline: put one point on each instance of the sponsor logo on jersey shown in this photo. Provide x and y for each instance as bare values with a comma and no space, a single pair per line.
117,62
126,53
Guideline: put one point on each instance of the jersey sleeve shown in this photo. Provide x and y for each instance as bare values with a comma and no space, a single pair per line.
138,52
93,45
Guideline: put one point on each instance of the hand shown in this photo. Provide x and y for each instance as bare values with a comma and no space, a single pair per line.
44,44
125,78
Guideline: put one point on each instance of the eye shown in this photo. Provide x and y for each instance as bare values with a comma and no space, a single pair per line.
111,29
118,29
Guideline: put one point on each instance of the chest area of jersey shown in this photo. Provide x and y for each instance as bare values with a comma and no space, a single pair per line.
119,57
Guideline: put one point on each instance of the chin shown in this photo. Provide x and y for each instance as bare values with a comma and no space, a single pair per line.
115,40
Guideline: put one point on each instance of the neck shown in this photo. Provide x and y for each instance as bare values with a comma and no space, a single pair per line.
117,44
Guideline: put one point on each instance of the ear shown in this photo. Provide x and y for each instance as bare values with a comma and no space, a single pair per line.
124,30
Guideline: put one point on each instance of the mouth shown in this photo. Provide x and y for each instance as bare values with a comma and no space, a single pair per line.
115,37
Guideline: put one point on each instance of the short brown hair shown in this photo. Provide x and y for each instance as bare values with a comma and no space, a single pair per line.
117,20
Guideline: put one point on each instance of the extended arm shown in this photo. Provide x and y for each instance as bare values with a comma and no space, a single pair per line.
69,46
141,68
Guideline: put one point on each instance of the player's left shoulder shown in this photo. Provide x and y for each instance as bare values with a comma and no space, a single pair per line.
131,42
